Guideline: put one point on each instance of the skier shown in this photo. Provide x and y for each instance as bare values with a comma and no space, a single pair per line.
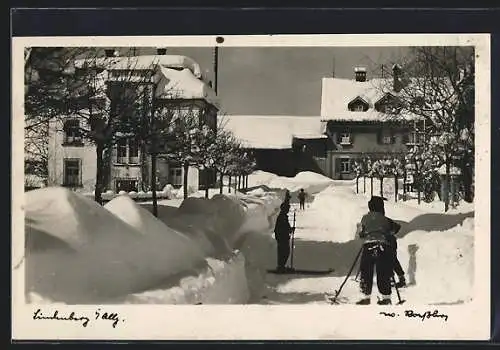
393,244
377,253
302,198
282,231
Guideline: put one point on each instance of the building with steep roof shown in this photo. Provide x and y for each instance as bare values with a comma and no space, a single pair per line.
177,82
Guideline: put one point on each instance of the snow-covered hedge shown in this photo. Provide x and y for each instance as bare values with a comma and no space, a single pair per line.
168,192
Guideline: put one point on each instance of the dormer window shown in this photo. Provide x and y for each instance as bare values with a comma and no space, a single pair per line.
358,105
387,104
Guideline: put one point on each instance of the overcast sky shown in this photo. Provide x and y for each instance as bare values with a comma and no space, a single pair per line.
280,80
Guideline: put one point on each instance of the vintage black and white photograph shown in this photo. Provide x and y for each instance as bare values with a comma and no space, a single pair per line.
266,175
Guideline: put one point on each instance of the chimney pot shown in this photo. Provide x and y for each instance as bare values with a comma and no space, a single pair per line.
396,75
360,74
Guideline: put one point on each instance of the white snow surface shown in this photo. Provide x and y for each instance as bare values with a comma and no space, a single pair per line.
436,251
80,252
310,181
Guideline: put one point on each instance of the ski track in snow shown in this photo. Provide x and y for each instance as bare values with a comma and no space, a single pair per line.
324,238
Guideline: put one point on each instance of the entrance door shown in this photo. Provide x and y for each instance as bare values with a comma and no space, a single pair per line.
127,185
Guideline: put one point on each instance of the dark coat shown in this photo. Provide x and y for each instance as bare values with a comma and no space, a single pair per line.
282,229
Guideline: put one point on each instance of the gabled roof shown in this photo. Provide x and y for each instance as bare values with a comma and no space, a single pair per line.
272,132
338,93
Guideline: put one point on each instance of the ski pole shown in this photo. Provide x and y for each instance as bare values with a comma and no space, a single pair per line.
337,292
400,301
293,240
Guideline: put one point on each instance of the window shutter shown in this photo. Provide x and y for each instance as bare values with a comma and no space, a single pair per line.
80,171
351,137
338,136
393,137
337,166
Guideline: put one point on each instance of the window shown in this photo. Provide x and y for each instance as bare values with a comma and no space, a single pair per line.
386,137
414,138
121,151
72,172
345,138
175,176
133,151
345,165
72,134
358,105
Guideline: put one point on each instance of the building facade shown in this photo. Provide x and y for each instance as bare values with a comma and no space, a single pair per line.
354,122
178,86
357,117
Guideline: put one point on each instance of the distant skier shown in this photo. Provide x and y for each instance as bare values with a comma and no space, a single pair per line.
282,231
377,253
302,199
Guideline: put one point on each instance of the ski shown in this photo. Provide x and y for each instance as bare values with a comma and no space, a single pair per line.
331,299
301,272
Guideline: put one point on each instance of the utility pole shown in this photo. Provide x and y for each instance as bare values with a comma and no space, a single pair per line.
216,67
218,40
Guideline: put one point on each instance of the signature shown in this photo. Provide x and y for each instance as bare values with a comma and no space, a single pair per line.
84,320
412,314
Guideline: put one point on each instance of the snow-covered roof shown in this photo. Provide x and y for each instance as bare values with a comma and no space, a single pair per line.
142,62
337,93
272,132
183,84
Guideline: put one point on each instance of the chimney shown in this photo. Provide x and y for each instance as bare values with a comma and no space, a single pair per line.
110,52
397,85
360,73
161,51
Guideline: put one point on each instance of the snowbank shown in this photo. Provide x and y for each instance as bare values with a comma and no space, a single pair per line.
79,252
222,282
439,264
311,182
336,214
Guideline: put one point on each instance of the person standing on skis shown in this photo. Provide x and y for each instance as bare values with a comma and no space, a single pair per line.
302,199
282,232
377,254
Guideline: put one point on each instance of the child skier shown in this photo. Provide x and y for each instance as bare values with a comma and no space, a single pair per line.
302,199
377,253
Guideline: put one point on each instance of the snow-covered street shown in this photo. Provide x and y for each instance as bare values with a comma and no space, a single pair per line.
435,250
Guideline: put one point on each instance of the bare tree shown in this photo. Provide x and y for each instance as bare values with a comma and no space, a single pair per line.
103,105
437,84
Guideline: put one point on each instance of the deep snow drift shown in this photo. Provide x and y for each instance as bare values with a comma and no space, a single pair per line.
80,252
311,182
